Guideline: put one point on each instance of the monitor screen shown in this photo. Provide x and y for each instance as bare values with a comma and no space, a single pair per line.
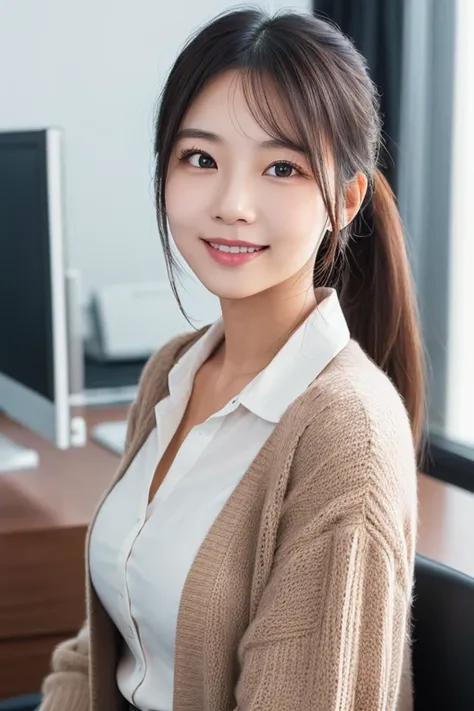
26,337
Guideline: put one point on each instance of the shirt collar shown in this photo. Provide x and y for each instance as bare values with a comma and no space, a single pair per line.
303,357
181,376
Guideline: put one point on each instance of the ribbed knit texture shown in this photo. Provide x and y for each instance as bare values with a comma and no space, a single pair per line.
299,598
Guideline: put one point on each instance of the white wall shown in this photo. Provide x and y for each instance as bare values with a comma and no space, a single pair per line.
95,69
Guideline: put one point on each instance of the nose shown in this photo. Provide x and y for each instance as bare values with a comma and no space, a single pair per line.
235,200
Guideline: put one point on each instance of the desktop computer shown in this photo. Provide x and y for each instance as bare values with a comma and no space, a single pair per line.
34,345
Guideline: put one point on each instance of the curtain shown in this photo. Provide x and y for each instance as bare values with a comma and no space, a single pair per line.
376,28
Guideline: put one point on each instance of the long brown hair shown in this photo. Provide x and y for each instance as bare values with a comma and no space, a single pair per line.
321,83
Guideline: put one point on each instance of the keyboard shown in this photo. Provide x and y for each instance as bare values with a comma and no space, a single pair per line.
111,435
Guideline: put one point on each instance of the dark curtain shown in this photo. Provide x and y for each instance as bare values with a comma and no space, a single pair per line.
376,28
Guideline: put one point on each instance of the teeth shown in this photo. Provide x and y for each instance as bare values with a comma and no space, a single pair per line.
234,250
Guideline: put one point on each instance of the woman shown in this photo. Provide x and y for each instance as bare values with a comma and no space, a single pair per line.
256,548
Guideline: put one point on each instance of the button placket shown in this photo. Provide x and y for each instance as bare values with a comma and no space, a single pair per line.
133,632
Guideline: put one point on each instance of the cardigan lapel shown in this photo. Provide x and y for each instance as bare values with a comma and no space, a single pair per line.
104,639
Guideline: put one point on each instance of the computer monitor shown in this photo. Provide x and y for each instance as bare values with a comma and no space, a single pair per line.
34,369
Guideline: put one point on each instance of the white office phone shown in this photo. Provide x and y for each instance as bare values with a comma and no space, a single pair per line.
111,435
131,321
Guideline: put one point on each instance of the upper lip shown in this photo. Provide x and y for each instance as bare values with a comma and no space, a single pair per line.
234,242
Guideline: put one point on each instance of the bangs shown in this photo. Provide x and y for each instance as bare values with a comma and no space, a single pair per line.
281,108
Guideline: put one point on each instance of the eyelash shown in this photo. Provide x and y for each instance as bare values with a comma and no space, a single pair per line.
188,152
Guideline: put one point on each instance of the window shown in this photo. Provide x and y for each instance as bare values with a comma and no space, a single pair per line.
459,421
436,191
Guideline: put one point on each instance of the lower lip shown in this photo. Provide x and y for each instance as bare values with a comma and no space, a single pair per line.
232,259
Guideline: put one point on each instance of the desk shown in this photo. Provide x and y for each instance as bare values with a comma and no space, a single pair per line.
44,514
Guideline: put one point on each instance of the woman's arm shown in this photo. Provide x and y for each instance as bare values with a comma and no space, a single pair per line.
331,628
66,688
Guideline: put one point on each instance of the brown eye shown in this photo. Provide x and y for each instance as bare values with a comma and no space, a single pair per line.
284,169
198,159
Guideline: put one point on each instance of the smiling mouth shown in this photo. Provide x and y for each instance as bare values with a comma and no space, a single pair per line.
235,248
229,254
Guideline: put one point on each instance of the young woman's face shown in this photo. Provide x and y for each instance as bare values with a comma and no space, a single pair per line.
227,183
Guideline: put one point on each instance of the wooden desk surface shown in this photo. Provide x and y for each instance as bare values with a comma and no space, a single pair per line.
64,490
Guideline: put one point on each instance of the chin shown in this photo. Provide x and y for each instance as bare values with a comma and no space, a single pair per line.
234,284
230,288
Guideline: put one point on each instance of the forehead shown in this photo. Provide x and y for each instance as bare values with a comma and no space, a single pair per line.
222,107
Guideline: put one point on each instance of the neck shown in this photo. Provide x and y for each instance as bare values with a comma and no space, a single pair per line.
257,327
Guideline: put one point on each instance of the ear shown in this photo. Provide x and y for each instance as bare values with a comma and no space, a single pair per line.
354,197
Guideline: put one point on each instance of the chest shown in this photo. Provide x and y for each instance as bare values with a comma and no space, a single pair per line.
141,554
192,546
204,402
203,536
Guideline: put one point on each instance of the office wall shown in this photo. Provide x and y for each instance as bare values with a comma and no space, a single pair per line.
95,68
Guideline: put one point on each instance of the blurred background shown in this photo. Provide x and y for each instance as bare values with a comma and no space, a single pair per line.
79,84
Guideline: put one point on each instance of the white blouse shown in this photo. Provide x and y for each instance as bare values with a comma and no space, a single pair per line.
140,554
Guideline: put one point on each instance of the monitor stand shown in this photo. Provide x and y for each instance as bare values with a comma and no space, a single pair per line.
14,456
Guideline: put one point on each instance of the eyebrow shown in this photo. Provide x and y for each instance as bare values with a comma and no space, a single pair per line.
214,138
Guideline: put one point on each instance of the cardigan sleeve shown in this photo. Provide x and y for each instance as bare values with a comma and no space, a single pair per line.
67,685
329,626
330,631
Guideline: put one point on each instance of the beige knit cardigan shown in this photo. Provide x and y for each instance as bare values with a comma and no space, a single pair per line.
299,597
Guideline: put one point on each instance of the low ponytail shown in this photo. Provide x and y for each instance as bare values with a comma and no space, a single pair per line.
378,299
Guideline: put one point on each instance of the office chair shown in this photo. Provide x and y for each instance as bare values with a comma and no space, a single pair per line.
27,702
443,638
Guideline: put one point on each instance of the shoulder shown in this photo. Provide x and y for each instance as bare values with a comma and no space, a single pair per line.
354,403
356,446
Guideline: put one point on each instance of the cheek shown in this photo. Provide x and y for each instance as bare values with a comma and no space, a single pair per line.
183,204
298,220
